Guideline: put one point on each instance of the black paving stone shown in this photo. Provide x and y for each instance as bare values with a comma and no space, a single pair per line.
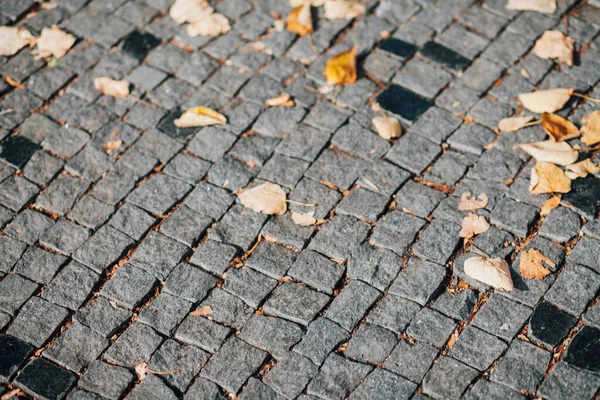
549,325
445,56
403,102
398,47
18,150
584,196
45,380
15,352
584,351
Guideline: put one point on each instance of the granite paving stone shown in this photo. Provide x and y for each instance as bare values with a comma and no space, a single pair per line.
411,360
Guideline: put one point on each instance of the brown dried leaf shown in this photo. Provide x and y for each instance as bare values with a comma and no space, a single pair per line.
512,124
590,128
200,116
549,205
555,45
343,9
190,10
304,219
341,69
267,198
541,6
299,21
53,42
112,145
472,203
550,100
550,151
111,87
387,127
531,264
202,311
210,25
283,100
559,128
14,39
141,370
473,225
582,169
492,271
548,178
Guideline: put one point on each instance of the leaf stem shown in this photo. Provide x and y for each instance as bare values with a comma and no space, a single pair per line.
300,204
583,96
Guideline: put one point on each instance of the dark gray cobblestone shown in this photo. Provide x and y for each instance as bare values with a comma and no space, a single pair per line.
142,254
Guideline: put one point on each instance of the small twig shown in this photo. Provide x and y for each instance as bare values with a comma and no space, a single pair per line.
173,371
312,44
7,111
300,204
583,96
137,99
532,123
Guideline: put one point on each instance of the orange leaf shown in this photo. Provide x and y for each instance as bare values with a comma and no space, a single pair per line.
299,21
548,178
559,128
341,69
205,310
549,205
531,265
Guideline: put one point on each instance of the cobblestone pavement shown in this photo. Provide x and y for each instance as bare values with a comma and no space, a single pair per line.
104,256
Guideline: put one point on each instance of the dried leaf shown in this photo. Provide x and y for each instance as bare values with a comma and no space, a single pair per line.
468,203
202,311
111,87
14,39
548,178
491,271
512,124
473,225
559,128
555,45
141,370
267,198
387,127
314,3
550,151
112,145
53,42
341,69
549,205
282,100
200,116
590,128
343,9
550,100
541,6
300,20
210,25
190,10
531,265
582,169
304,219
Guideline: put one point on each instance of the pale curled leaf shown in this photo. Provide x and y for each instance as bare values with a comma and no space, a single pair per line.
512,124
211,25
590,128
542,101
111,87
531,264
202,311
472,225
582,169
387,127
558,128
200,116
555,45
53,42
341,69
267,198
304,219
141,370
472,203
14,39
491,271
299,21
343,9
550,151
189,10
541,6
282,100
548,178
549,205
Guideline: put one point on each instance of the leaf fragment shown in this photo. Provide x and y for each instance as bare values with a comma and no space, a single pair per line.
210,25
387,127
472,225
16,84
304,219
555,45
202,311
299,21
112,145
492,271
549,205
141,370
111,87
341,69
200,116
472,203
541,6
590,128
514,123
558,128
53,42
189,10
343,9
314,3
550,100
548,178
531,264
283,100
550,151
14,39
267,198
582,169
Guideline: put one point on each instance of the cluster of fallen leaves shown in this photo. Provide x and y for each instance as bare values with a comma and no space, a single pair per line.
51,42
201,18
300,20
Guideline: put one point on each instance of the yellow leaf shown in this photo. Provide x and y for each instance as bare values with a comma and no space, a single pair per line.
189,10
473,225
492,271
550,151
387,127
343,9
210,25
590,128
531,265
548,178
283,100
111,87
14,39
549,205
267,198
559,128
300,20
304,219
541,6
468,203
341,69
512,124
200,116
202,311
550,100
555,45
53,42
112,145
582,169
